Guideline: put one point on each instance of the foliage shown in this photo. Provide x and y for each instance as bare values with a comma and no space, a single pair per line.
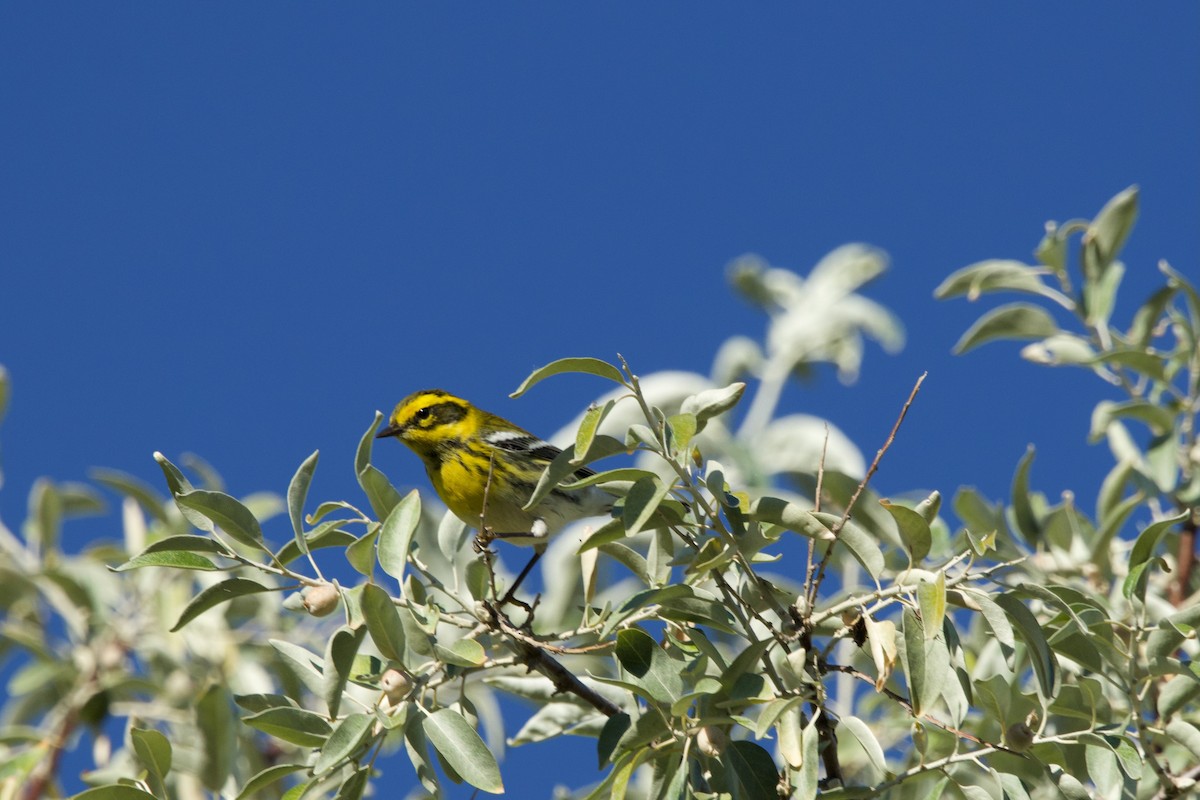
752,622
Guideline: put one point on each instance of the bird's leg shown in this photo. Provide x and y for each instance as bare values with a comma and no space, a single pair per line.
484,538
486,534
508,596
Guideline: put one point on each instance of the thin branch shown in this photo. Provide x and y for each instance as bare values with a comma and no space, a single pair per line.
533,656
808,570
904,701
1185,560
862,485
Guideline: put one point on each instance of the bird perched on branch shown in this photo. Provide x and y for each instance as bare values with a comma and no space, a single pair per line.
485,469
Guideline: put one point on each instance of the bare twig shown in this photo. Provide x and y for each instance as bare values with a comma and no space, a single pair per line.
808,570
532,654
815,584
1185,561
903,701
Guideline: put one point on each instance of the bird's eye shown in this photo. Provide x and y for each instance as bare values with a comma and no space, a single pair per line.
422,413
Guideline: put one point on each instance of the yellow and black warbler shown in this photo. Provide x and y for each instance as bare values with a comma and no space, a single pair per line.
484,468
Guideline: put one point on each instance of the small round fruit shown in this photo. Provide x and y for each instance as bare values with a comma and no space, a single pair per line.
711,741
320,601
395,684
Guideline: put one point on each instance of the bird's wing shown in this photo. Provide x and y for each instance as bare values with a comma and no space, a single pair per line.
527,443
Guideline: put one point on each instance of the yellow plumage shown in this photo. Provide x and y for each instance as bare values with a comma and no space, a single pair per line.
475,458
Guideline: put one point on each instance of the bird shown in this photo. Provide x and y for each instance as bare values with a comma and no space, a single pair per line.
485,469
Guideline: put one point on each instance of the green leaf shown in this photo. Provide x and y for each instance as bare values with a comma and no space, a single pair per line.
1175,280
327,534
383,622
360,553
1158,419
294,725
913,656
1171,632
115,792
614,728
1012,321
380,493
711,402
1147,541
188,543
1186,734
1140,558
1026,520
1147,363
754,768
1061,349
996,619
861,544
218,737
375,485
652,669
307,665
682,427
297,493
339,662
590,426
630,474
217,594
127,485
80,499
463,749
153,750
793,517
641,503
994,275
807,779
745,661
343,742
170,558
931,597
1052,249
227,513
913,528
866,738
928,508
1100,291
1112,225
585,365
395,539
178,485
1045,665
356,786
462,653
267,777
45,515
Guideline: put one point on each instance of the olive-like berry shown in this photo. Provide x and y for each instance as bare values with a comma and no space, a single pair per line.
711,741
395,684
320,601
1018,737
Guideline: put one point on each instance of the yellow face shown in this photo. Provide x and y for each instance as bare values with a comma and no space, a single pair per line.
430,420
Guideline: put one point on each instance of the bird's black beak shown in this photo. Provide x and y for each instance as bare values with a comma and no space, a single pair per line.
388,430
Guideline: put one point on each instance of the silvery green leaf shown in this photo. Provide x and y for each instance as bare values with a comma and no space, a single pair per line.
993,275
1012,321
1112,225
1061,349
712,402
586,365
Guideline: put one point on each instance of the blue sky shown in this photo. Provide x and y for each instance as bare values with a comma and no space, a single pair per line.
240,229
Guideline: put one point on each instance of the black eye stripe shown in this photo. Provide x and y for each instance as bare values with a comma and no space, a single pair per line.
439,414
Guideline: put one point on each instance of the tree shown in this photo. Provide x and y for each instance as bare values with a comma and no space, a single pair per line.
752,622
